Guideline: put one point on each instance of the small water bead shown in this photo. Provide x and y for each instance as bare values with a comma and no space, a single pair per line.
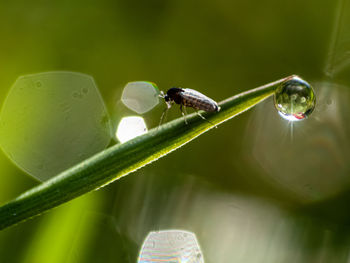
295,99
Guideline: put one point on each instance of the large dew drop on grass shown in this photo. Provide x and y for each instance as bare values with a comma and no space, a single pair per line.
295,99
51,121
308,160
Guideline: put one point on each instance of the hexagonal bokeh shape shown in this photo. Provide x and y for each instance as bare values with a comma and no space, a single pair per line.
140,96
170,246
51,121
130,127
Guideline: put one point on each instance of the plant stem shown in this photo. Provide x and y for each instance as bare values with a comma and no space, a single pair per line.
122,159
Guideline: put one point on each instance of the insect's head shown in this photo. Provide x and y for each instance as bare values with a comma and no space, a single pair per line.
171,95
166,98
173,92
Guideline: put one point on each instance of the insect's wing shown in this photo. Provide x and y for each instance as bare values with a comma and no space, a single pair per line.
140,96
191,93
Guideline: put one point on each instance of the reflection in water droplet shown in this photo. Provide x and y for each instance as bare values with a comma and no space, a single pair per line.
295,99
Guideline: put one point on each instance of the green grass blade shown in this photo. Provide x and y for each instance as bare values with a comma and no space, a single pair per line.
122,159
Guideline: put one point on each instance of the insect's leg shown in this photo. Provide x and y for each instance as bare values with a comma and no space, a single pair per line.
200,115
163,116
183,113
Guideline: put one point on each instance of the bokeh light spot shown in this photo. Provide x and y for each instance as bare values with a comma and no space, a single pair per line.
170,246
51,121
140,96
130,127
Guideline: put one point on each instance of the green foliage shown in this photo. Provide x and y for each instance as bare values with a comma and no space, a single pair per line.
122,159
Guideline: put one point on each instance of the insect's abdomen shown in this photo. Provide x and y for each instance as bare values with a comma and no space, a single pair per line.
196,100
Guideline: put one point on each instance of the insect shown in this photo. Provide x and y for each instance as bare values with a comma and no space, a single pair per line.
188,98
142,96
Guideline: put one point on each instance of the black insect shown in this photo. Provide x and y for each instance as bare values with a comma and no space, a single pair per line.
188,98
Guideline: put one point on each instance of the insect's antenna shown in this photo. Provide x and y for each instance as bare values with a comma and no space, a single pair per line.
200,115
168,106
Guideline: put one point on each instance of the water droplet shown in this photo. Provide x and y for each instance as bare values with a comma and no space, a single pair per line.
295,99
38,84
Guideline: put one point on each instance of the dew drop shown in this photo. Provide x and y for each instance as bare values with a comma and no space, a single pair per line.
295,99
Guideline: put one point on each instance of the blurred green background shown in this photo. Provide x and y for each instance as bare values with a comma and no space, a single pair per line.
257,189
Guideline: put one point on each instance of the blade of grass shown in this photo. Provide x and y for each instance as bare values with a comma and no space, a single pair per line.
122,159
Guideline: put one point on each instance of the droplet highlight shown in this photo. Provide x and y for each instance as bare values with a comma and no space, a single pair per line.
295,99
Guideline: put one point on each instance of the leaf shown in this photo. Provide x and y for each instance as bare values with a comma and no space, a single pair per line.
122,159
